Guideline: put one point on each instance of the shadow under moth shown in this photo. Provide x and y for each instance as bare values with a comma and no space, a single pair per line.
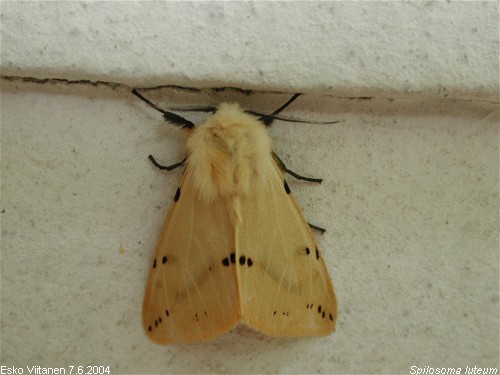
235,246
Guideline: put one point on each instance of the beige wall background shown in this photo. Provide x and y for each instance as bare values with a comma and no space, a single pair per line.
409,198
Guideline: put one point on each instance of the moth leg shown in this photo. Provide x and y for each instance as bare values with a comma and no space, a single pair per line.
299,177
292,173
315,227
166,167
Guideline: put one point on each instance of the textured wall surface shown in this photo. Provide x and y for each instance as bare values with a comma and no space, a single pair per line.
409,199
345,48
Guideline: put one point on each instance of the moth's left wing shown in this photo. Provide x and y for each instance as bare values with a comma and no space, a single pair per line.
285,289
192,290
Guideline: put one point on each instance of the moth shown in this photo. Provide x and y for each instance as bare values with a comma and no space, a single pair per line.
235,246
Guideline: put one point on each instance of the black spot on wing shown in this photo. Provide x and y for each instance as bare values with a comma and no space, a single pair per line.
157,322
177,194
317,253
308,251
154,263
322,312
196,317
164,260
231,259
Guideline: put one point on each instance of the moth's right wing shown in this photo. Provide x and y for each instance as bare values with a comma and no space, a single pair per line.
285,289
192,291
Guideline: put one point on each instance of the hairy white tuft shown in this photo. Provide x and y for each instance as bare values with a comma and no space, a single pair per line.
227,154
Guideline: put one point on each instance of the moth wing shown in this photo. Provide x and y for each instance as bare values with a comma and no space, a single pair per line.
191,296
285,288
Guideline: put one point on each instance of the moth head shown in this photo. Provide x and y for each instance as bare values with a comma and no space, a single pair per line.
228,152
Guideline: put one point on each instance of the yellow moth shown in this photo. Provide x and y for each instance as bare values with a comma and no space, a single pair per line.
235,247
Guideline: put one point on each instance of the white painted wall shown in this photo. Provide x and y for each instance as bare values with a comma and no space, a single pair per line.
409,198
447,49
